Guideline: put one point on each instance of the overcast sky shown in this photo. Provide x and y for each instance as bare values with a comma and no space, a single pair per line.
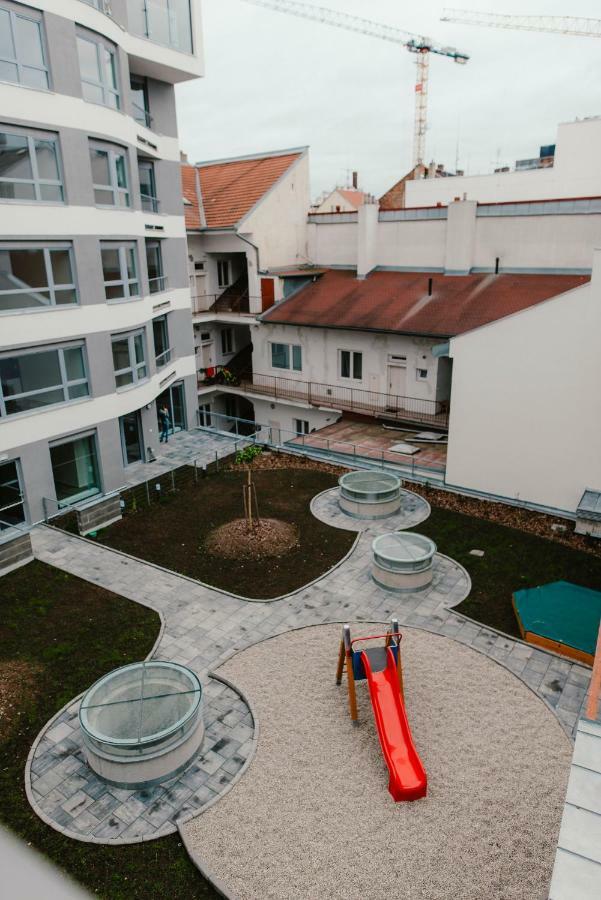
275,81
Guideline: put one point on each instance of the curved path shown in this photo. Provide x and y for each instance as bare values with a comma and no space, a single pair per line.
203,627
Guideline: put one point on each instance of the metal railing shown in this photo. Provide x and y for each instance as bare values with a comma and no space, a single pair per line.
334,450
163,358
158,284
150,203
217,303
594,695
349,399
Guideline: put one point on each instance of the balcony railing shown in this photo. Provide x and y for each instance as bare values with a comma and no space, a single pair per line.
350,399
142,115
158,284
163,358
202,303
149,203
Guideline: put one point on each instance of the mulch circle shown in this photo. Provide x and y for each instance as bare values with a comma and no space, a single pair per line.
268,537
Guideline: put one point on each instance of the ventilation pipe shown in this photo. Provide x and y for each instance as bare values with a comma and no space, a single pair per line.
497,261
356,180
430,285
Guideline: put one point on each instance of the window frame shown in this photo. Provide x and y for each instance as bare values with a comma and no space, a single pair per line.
51,286
33,135
113,151
421,374
165,355
99,44
227,341
30,16
306,429
17,503
83,495
64,385
220,264
153,204
133,368
142,82
159,283
352,358
150,33
290,350
125,281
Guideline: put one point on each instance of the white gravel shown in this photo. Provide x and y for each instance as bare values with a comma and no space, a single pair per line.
312,818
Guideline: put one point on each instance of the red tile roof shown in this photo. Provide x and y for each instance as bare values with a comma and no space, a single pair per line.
230,189
355,198
399,301
191,206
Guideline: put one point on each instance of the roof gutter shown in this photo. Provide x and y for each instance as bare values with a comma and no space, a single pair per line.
255,248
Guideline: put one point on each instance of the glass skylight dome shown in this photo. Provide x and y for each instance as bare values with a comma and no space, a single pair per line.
370,495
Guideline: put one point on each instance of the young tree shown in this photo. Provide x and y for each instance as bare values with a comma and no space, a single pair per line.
249,492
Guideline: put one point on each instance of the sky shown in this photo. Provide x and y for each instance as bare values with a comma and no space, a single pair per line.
274,81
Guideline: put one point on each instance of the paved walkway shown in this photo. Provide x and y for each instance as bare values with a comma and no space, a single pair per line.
204,627
183,449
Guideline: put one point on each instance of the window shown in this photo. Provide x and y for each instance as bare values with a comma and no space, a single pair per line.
160,332
139,100
36,378
120,271
29,167
129,359
351,364
75,469
204,415
98,69
97,4
223,272
166,22
109,175
422,373
34,277
199,267
227,341
12,511
301,426
282,355
154,262
22,58
148,192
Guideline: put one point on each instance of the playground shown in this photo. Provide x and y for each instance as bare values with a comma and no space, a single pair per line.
313,816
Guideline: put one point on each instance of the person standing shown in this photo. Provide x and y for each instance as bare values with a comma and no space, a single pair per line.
165,423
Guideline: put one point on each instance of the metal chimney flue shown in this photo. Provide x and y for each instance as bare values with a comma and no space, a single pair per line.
497,262
356,180
430,286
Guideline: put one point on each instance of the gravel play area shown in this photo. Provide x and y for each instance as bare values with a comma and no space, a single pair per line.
313,818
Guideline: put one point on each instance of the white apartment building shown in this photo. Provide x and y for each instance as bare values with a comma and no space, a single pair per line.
479,317
95,319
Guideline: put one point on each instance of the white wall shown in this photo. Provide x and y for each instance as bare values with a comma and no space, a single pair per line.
576,173
282,416
278,225
320,357
525,405
412,245
333,244
537,242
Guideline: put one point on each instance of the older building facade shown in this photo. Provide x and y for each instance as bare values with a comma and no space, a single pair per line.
95,317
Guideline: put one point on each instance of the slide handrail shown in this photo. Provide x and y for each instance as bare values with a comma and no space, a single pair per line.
592,706
375,637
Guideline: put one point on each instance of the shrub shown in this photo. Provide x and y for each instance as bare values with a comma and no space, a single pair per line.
245,457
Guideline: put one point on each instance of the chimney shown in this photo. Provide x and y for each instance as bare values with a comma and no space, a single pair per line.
356,180
497,261
430,284
183,157
432,170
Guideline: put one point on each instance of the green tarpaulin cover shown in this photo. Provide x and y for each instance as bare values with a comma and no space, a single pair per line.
561,612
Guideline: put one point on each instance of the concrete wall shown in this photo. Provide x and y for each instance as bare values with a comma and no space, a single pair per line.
320,358
524,408
576,173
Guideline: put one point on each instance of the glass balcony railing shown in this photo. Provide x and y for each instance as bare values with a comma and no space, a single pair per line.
166,22
156,285
149,203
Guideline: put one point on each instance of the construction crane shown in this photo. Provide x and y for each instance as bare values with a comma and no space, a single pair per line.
420,45
551,24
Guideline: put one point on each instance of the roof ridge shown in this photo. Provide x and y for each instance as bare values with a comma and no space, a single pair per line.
270,154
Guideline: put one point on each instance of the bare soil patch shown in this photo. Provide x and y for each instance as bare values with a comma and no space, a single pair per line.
266,538
18,687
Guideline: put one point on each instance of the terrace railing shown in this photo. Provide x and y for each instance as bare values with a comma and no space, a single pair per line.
350,399
202,303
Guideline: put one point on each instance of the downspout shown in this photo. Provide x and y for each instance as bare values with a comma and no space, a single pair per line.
255,248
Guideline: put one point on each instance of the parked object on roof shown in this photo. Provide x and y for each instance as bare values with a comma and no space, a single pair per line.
588,514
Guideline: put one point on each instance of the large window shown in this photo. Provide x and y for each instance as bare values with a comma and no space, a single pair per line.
351,364
11,498
120,271
109,175
166,22
162,350
98,70
154,260
223,273
22,59
287,356
29,167
33,277
75,469
148,191
36,378
227,341
139,100
129,359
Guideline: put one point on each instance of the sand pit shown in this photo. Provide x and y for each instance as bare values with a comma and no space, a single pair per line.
312,817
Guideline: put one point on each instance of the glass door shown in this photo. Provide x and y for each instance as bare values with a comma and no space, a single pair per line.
174,399
75,470
131,438
11,498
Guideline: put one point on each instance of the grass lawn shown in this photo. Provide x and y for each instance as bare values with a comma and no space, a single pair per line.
512,560
58,634
173,533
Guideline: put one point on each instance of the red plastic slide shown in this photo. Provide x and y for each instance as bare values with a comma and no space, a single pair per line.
408,779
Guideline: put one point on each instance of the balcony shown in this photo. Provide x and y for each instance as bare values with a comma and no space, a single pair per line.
158,284
164,358
434,413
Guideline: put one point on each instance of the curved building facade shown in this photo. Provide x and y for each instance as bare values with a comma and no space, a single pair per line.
95,310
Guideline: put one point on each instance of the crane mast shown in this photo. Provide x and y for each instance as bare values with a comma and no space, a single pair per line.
420,45
577,26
